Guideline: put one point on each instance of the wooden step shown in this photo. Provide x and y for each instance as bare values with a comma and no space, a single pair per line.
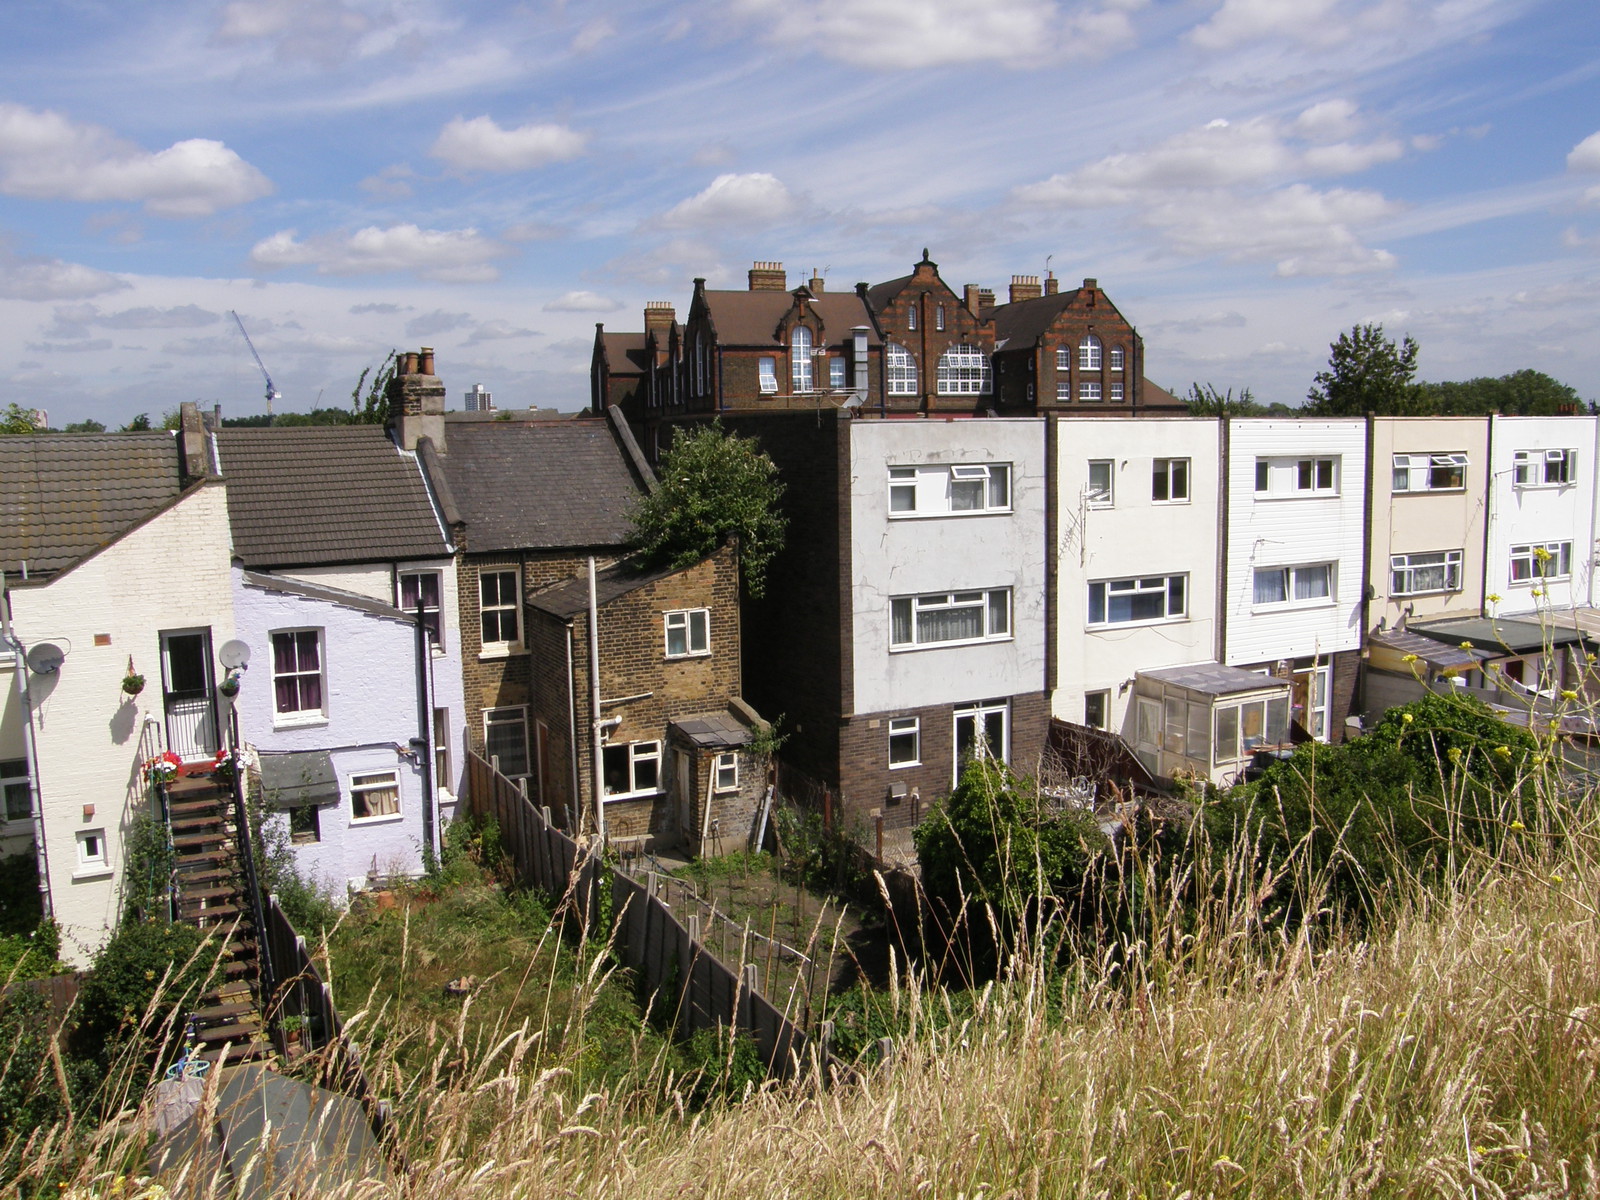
192,841
191,822
188,895
196,807
214,912
216,1015
236,1052
238,1031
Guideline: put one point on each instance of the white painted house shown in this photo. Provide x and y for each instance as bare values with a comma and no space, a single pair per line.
1295,578
1139,508
1541,542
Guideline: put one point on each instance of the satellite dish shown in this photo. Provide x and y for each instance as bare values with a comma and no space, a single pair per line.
46,658
234,655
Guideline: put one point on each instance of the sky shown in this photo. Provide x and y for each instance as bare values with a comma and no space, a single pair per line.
1245,178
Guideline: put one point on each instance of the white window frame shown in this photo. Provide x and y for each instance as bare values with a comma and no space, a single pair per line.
1089,351
1291,576
1533,571
1414,473
994,605
1089,391
725,772
903,728
1063,359
767,374
507,716
1174,590
1405,568
688,621
294,716
978,714
1544,468
94,856
836,376
15,780
1115,393
1239,747
1063,391
1282,476
1103,695
366,783
432,614
900,370
932,490
1164,471
637,753
1115,361
1101,497
501,646
801,377
964,370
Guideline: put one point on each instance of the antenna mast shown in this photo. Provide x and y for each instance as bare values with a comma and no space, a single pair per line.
272,392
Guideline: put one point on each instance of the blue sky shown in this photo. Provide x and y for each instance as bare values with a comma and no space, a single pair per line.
1246,178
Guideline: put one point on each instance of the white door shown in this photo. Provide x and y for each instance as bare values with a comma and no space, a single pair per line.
186,693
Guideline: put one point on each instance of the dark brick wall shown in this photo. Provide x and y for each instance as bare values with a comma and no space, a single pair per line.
1087,312
925,294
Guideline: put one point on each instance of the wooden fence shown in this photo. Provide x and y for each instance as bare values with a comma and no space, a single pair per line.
59,993
684,978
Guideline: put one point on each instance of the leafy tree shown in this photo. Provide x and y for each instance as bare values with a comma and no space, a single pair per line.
140,424
1205,401
1523,393
1366,373
87,426
17,420
373,407
713,484
148,967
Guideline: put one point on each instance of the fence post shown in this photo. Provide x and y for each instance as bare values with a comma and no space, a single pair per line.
686,969
877,824
752,984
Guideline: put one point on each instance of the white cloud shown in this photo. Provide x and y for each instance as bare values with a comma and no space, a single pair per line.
495,331
734,200
1585,156
582,302
391,183
1328,121
52,279
183,316
45,156
327,33
1250,20
438,321
592,34
908,34
1306,231
482,145
445,255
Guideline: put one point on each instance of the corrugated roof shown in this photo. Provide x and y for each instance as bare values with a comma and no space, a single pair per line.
751,318
325,494
1430,650
64,495
527,485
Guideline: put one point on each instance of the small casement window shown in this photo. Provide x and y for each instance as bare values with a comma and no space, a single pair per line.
800,359
1544,468
836,373
1430,472
1417,574
423,587
505,739
17,802
725,770
1135,601
905,741
1115,392
631,769
938,318
1314,475
498,608
1263,475
297,672
1063,359
688,633
916,621
980,488
92,850
1308,585
1115,362
1541,560
1063,391
1089,391
1100,491
1169,481
964,371
374,796
901,370
1097,710
1089,353
767,368
902,489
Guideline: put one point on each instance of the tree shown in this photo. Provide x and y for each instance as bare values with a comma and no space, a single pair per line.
140,424
373,407
1367,373
1205,401
1522,393
713,484
17,420
87,426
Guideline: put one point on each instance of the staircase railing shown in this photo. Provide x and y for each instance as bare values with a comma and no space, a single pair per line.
150,747
267,978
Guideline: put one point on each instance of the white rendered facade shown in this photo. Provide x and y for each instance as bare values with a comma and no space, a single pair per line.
1541,498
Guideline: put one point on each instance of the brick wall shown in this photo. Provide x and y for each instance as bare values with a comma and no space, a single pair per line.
926,293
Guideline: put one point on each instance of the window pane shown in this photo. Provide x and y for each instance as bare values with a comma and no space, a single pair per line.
903,739
1270,586
677,636
999,613
1097,603
1313,583
949,624
1175,596
1324,474
999,486
1095,706
1176,725
900,621
966,495
1227,734
1180,479
1158,481
1199,741
699,631
506,735
1263,475
1252,724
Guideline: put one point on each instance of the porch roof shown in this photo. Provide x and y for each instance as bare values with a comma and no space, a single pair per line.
714,731
299,778
1430,650
1504,635
1215,679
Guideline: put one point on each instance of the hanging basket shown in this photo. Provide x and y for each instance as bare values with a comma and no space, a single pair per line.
133,684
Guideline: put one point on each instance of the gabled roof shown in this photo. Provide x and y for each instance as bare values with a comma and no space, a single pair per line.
65,495
531,485
751,318
1022,323
880,294
625,353
325,494
571,596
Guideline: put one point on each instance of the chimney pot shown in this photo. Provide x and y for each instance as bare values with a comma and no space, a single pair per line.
408,364
972,297
425,361
768,277
1052,285
818,283
659,316
1025,287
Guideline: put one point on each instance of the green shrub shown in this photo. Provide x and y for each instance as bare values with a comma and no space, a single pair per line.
721,1065
149,860
146,973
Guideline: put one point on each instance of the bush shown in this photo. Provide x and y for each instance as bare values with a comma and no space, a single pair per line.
146,973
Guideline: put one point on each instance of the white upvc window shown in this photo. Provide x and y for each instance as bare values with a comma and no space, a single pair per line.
1097,709
424,587
1115,392
1115,363
725,772
964,371
688,633
767,370
1544,468
1443,472
631,769
800,358
1541,560
375,797
499,609
1144,600
93,857
905,742
1063,359
505,737
1089,353
16,803
1101,492
836,373
900,370
982,730
1297,476
1307,585
1063,391
980,487
947,618
960,489
1169,481
1089,390
297,674
1243,728
1429,571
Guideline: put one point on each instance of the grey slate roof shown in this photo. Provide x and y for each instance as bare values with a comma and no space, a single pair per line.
531,485
1023,322
714,730
751,318
65,495
879,294
325,494
298,778
571,596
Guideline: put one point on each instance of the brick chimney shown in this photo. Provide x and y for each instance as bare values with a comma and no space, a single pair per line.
768,277
1025,287
192,439
659,317
972,297
416,401
1090,288
1052,285
985,297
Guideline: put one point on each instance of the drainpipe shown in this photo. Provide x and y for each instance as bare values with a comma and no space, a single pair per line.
594,685
425,730
29,749
572,738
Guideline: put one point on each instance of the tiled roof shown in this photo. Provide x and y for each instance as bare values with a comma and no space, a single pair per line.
879,294
1023,322
625,353
571,596
64,495
751,318
526,485
325,494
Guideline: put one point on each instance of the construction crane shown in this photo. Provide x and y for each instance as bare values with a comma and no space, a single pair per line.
272,392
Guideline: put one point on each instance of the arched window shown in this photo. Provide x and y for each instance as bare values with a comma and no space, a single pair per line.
901,370
699,366
1089,353
964,371
800,358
